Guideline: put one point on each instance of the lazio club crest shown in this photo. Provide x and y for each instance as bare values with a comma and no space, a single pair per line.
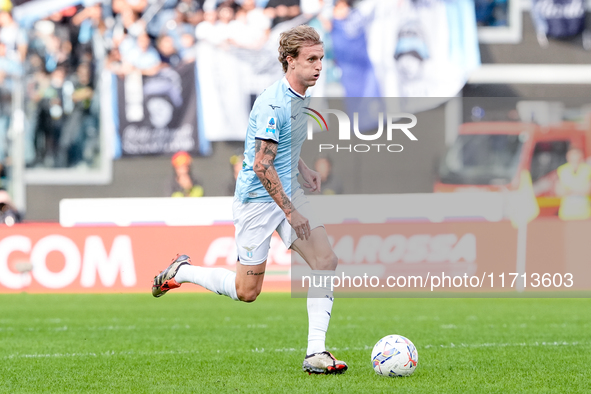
249,250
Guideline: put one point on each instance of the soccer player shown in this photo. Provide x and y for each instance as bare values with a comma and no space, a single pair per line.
268,198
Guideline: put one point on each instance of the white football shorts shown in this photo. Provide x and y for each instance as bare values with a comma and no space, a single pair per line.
255,223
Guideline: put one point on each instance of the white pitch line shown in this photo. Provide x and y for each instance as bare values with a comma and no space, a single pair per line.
442,346
107,353
522,344
105,328
111,353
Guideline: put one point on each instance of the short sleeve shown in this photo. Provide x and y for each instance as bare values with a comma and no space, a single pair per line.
267,122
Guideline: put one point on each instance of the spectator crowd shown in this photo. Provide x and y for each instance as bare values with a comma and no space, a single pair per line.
58,59
145,35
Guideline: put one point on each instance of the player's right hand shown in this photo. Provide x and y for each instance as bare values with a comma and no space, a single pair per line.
300,224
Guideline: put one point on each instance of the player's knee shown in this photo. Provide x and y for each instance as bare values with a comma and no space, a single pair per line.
328,262
247,295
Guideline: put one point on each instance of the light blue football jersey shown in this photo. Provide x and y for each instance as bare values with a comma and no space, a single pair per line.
271,119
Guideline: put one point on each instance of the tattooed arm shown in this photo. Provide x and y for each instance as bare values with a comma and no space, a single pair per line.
263,166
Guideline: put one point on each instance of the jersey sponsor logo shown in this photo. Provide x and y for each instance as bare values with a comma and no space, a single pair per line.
274,106
294,116
271,125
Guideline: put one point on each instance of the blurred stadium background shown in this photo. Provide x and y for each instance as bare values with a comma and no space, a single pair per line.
73,100
110,108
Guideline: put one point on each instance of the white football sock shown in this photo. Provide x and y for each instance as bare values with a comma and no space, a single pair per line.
218,280
320,300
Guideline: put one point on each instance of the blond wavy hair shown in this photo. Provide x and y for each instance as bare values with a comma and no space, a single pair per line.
292,40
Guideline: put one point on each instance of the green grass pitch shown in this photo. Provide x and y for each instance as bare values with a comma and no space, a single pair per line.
203,343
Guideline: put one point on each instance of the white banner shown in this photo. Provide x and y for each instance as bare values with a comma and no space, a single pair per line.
231,77
423,48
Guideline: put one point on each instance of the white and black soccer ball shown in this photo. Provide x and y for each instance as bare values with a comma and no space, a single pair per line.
394,355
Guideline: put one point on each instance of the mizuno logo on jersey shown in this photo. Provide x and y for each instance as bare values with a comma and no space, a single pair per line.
274,106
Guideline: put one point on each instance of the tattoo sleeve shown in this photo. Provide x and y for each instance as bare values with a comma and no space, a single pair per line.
264,156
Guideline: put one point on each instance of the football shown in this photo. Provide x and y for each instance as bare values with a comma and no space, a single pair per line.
394,355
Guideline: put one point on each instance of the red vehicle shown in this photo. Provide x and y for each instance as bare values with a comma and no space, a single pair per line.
490,156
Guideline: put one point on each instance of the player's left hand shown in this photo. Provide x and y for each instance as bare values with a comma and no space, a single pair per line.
311,180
